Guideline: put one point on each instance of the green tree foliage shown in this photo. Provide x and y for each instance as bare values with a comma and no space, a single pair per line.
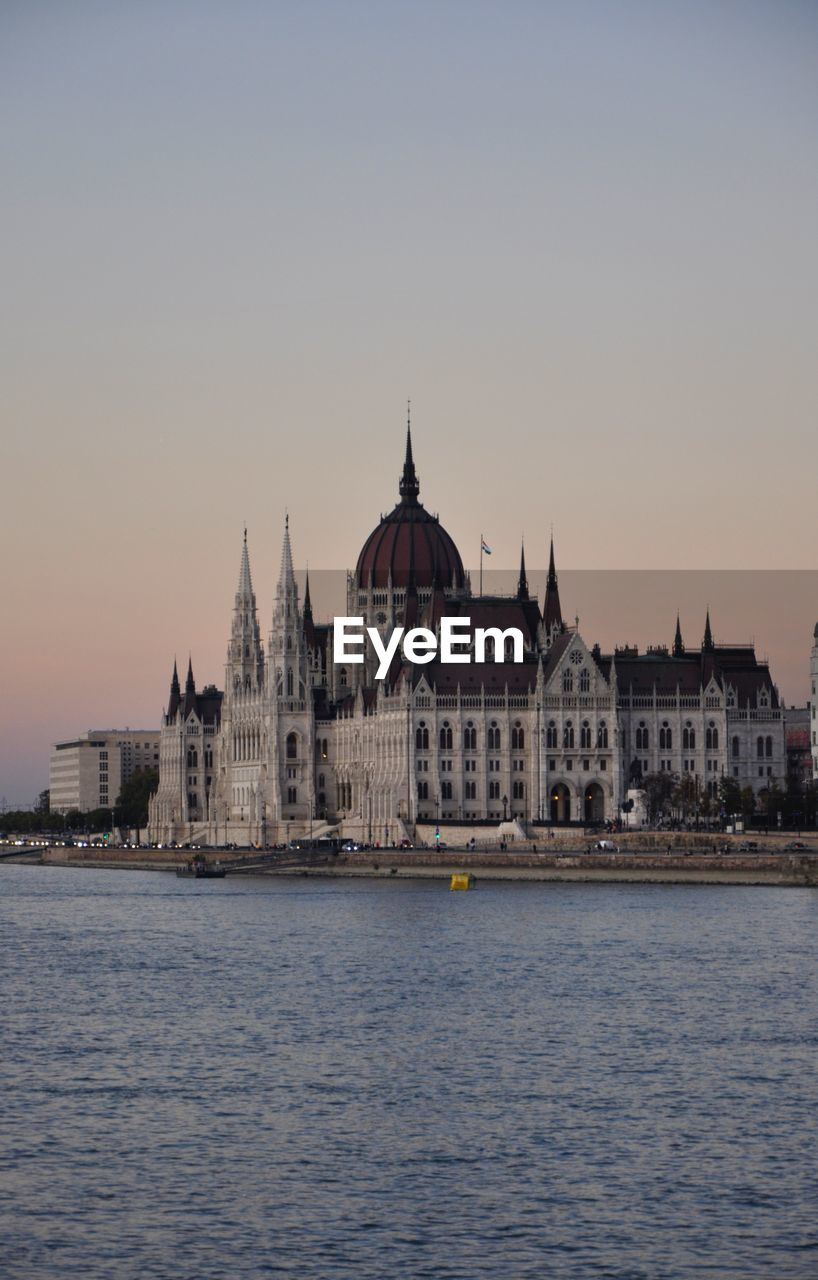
132,802
658,789
730,796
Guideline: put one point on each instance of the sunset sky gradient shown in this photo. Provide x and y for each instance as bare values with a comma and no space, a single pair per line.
238,236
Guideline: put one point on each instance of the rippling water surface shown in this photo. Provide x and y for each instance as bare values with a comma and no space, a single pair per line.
369,1079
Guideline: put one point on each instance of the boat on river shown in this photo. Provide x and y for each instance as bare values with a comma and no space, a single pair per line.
201,869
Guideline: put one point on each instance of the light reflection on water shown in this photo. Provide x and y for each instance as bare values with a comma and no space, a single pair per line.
383,1079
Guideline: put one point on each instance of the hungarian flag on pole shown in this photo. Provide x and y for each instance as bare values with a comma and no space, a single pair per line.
485,549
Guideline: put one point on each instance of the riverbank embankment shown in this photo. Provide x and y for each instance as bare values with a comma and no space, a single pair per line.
682,864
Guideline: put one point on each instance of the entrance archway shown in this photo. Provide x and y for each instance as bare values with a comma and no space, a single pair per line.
560,803
594,803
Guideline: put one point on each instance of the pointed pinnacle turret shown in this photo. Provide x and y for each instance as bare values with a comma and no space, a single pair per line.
190,683
307,600
409,483
552,613
245,587
678,643
708,645
286,577
175,693
522,582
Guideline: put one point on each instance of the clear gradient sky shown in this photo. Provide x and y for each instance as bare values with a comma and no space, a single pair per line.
236,236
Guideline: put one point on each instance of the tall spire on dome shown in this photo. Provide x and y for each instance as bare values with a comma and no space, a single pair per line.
678,643
708,645
409,483
522,583
552,613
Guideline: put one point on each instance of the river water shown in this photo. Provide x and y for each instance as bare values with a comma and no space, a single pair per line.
372,1079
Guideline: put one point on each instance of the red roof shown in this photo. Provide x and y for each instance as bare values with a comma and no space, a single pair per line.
409,542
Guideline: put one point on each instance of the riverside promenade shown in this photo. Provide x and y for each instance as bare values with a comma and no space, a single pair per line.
643,858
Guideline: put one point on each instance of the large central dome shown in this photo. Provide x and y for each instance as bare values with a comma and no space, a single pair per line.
409,544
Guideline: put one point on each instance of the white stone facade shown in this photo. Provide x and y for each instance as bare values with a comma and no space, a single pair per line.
297,743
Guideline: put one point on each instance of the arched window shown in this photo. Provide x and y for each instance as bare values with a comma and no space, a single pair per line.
735,748
292,795
517,737
584,680
494,736
585,736
518,790
688,737
292,746
494,790
422,737
423,790
551,734
760,748
471,790
768,748
711,736
470,737
642,736
567,681
342,677
568,735
665,737
445,790
192,758
602,735
446,736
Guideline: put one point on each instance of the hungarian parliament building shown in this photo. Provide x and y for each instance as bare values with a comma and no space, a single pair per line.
297,742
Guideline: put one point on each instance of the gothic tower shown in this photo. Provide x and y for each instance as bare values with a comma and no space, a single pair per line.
290,758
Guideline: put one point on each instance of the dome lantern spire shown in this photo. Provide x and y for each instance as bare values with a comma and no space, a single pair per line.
409,487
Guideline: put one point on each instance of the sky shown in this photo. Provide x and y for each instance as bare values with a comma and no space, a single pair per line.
238,237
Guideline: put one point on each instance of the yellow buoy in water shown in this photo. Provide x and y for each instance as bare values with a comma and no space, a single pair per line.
462,882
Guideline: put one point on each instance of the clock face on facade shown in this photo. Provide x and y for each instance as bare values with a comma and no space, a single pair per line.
576,657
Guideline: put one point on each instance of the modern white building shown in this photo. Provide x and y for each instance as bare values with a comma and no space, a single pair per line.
88,772
297,741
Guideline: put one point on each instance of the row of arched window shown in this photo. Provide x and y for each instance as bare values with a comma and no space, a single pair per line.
585,735
666,737
584,681
764,747
493,737
246,744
